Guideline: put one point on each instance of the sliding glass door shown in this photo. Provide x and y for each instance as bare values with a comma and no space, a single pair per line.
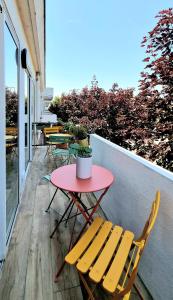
27,119
11,137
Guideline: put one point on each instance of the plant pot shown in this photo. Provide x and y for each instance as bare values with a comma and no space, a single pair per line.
83,167
83,142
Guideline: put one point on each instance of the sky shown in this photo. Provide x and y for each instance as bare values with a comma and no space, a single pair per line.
97,37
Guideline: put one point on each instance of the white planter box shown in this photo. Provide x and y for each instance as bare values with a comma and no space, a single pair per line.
83,167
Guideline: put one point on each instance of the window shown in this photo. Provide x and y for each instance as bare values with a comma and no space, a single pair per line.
11,138
27,119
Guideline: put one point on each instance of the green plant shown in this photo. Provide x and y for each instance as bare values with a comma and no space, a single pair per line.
68,126
84,151
60,122
79,132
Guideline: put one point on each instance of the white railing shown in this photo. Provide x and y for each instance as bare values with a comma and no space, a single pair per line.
128,203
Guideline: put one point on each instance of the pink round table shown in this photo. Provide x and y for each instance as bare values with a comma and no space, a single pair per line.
65,178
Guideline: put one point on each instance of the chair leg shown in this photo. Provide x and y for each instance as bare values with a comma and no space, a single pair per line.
51,201
64,262
89,291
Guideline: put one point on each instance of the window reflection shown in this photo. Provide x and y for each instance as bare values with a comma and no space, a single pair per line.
11,82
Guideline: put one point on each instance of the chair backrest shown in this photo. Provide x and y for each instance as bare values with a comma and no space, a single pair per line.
54,129
139,246
151,220
11,131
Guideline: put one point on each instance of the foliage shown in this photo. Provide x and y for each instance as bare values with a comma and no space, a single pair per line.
11,108
156,89
79,132
68,126
60,122
84,151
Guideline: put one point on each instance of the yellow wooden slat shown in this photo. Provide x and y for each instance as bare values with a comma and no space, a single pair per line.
104,259
93,250
83,243
113,276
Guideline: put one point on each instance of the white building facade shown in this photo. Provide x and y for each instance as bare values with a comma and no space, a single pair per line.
46,115
22,82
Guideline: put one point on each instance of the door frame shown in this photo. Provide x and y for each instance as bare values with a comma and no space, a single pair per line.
5,20
2,142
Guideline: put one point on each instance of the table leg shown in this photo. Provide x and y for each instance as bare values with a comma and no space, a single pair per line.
68,207
69,215
82,204
78,214
77,202
51,201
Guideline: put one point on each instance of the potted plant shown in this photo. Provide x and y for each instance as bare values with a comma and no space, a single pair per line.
80,133
68,127
84,162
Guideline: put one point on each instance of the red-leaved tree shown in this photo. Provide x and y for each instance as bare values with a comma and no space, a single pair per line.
156,90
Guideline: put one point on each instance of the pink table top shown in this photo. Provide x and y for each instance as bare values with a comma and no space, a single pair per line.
65,178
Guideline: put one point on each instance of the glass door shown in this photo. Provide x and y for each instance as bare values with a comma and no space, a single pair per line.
12,133
32,116
27,119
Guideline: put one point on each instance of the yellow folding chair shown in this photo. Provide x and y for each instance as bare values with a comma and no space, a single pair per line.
109,256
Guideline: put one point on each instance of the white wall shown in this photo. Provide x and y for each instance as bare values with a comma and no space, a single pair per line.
128,203
49,118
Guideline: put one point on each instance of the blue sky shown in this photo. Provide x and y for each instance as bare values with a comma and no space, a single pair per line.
101,37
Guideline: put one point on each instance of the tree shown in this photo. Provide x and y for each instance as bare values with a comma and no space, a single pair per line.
11,107
156,88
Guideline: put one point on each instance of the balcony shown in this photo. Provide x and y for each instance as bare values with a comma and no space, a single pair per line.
32,259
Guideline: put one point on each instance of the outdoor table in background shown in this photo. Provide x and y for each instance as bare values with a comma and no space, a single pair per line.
66,135
10,138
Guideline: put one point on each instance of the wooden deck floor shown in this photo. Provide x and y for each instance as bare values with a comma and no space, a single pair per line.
32,259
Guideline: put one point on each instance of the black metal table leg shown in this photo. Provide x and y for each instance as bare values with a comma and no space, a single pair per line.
68,207
69,215
51,201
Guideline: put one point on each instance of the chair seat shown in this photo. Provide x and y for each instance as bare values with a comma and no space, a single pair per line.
106,256
47,177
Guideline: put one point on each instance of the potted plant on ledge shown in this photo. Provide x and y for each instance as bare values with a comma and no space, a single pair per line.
80,134
84,162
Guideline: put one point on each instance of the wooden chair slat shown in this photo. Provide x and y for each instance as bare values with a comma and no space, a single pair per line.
104,258
112,278
93,250
84,242
53,129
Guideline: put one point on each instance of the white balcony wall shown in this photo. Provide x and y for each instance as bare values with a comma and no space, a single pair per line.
128,204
